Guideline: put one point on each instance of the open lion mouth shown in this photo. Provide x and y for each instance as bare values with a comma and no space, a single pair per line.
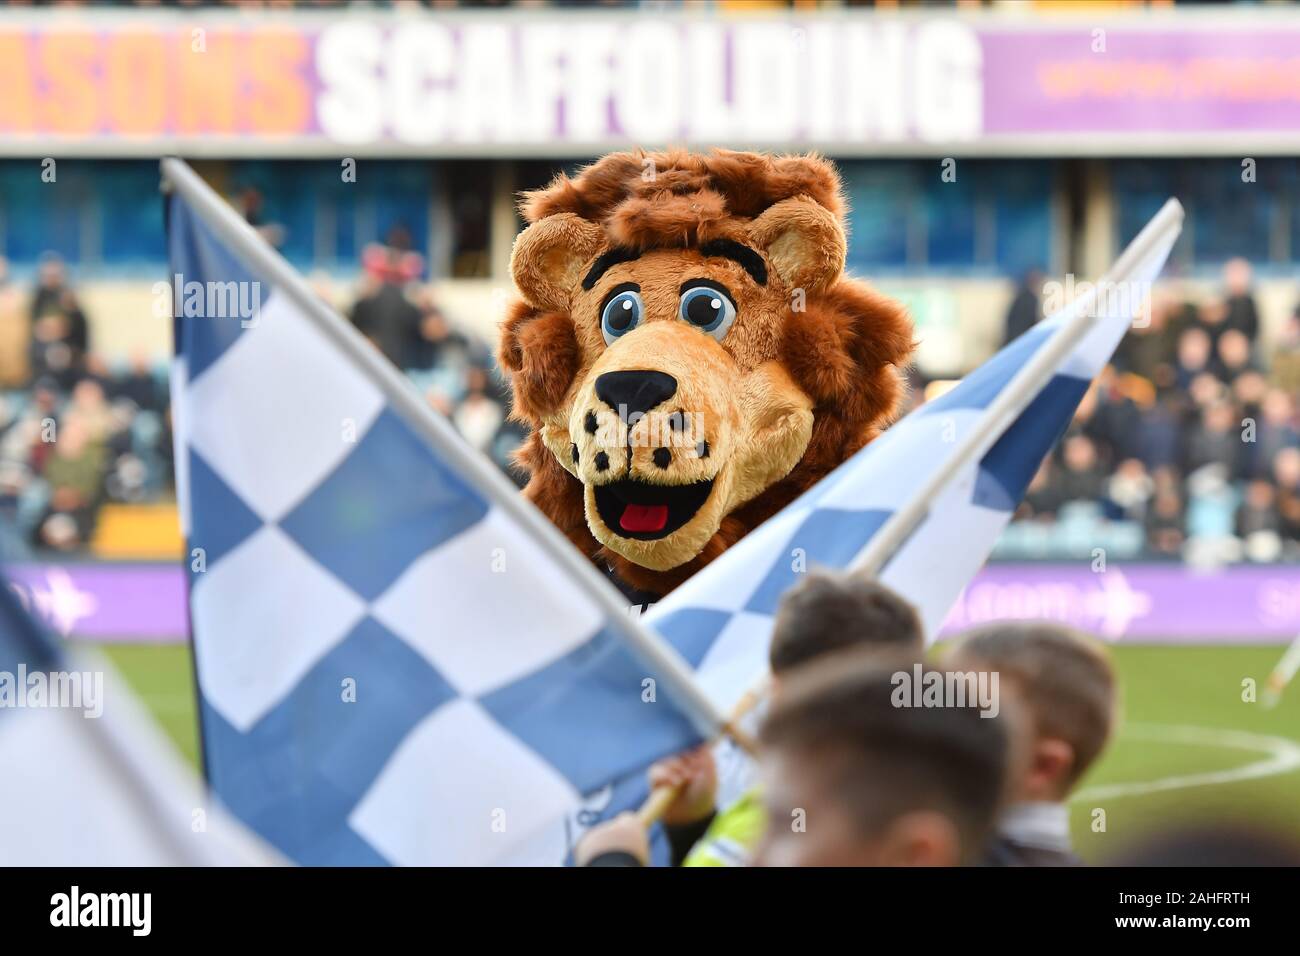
638,509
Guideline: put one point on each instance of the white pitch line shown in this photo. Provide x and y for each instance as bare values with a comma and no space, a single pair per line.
1283,756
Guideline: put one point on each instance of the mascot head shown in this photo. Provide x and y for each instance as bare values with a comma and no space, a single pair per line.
689,352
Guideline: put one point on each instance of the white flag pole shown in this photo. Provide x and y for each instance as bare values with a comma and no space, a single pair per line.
1013,399
1282,675
264,260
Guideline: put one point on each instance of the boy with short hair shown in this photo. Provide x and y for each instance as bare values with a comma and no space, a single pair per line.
825,613
1064,686
835,611
852,779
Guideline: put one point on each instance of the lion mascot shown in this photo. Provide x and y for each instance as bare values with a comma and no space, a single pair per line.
689,354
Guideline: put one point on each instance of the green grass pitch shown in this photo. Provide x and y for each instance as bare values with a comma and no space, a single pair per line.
1189,748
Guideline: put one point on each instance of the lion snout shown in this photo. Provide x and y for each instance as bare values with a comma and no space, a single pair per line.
665,445
631,392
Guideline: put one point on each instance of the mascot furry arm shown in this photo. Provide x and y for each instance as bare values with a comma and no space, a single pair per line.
689,353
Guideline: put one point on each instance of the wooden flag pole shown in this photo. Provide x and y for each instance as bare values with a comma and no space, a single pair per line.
661,798
656,805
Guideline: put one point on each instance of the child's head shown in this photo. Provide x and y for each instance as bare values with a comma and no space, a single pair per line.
850,779
1064,687
831,611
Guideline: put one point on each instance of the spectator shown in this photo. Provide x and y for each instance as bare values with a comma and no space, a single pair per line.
1130,489
1114,421
1025,309
140,385
1249,393
1211,317
479,415
384,314
60,334
1081,477
51,280
1234,355
1275,430
1258,522
74,471
1242,315
1195,351
1159,434
437,344
1164,525
1216,439
1211,509
1147,348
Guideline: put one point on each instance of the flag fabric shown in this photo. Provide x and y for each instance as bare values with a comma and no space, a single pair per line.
399,660
720,620
88,780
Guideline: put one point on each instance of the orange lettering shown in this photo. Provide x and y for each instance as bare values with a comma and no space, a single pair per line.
71,103
280,102
136,83
17,105
208,88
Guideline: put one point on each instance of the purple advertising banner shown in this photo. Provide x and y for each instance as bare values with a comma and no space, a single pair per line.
142,603
1140,81
1140,602
569,83
1160,603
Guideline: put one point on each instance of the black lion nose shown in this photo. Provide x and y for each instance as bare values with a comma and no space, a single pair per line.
634,392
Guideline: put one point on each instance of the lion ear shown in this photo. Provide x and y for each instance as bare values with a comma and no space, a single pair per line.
803,240
549,257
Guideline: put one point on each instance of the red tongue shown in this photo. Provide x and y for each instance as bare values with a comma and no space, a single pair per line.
644,517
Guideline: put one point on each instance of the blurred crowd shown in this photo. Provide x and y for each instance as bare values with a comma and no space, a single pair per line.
456,373
75,431
1188,445
78,432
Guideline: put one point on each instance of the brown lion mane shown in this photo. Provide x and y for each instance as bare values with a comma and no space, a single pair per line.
844,350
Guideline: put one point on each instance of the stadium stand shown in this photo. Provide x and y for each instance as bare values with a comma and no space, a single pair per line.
1187,448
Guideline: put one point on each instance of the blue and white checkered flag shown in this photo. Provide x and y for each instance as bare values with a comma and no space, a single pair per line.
88,779
399,659
922,506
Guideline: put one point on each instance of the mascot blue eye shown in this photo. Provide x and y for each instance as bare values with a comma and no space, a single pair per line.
621,315
709,308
